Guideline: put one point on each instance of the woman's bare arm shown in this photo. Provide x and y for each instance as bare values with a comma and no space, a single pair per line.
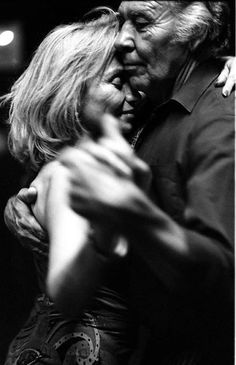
75,265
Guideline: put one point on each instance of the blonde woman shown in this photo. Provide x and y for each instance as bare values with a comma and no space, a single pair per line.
48,106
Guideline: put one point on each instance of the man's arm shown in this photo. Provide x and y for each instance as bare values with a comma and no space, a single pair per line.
175,254
22,223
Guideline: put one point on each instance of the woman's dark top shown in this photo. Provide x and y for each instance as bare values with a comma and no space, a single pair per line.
102,335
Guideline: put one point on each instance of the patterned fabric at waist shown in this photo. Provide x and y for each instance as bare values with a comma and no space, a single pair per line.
102,318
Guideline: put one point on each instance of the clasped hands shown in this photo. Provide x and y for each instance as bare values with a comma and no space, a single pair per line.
105,176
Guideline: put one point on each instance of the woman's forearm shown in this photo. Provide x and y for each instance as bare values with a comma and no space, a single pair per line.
75,267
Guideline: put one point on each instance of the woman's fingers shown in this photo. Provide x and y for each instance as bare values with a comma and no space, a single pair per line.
227,77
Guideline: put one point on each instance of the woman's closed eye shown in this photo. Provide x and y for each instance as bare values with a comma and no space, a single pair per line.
118,82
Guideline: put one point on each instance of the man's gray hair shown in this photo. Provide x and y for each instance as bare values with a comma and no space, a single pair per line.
204,22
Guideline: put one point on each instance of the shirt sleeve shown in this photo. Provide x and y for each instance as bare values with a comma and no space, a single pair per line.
209,212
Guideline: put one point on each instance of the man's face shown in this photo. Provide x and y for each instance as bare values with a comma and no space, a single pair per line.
146,43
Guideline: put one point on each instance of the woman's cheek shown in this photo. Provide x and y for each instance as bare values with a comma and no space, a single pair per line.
109,97
114,101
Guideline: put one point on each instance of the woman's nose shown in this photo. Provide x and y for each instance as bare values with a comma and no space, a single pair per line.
132,97
125,40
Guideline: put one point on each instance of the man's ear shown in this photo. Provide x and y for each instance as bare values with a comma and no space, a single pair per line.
193,45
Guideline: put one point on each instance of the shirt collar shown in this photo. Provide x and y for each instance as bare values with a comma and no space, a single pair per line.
199,80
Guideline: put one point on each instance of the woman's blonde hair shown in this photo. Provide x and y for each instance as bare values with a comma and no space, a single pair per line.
45,102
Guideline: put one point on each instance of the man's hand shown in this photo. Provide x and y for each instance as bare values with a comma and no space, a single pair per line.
97,187
22,223
227,77
105,176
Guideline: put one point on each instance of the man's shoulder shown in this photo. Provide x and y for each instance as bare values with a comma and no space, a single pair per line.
210,99
199,91
213,103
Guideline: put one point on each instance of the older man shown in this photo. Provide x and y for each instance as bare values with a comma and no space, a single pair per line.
169,49
181,231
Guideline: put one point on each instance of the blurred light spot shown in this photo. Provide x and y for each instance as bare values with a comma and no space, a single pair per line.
6,37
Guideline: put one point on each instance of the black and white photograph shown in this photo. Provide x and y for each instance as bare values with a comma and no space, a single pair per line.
117,188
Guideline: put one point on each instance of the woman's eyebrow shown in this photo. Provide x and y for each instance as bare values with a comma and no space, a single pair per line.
118,71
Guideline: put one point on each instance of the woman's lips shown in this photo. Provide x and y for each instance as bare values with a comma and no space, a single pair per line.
129,111
126,120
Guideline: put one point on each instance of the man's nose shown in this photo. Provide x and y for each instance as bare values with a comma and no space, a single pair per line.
125,40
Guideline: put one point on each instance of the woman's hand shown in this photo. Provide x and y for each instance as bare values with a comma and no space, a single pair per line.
227,77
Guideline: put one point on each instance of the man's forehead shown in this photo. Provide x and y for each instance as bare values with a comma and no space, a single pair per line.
151,2
129,5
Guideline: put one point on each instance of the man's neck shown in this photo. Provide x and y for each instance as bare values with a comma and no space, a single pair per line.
163,92
184,74
167,88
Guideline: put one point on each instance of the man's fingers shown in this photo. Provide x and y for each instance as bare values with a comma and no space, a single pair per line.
108,158
92,155
140,170
20,220
142,174
28,195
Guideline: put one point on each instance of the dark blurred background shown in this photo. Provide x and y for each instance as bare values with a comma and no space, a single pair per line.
30,21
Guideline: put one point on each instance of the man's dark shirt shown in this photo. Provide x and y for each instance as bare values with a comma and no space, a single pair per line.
189,145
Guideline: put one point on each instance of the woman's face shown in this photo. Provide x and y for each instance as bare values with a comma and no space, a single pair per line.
118,97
